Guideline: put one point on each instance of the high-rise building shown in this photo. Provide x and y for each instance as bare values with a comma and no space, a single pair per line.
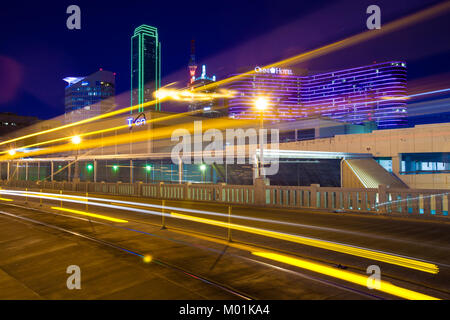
374,92
90,96
280,86
210,107
145,66
206,107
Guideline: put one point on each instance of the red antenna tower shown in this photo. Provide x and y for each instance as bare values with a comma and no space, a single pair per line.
192,64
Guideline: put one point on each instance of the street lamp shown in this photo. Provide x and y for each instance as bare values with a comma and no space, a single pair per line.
148,168
202,169
12,152
261,104
76,140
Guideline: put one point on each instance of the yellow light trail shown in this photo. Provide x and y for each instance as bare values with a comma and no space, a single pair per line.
5,199
358,279
67,138
102,116
161,133
317,267
56,195
98,216
352,277
191,95
106,115
359,252
389,27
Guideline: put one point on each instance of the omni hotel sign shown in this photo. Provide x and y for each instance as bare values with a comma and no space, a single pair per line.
273,70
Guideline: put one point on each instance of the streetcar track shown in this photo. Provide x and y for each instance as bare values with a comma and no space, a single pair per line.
56,198
320,280
221,286
114,246
79,195
146,211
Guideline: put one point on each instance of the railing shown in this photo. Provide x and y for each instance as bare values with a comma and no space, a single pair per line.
420,202
424,172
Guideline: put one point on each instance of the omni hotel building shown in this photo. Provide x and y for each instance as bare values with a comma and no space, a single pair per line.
375,93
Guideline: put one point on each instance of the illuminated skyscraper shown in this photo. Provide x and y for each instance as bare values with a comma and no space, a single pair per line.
210,108
374,92
145,66
87,97
281,87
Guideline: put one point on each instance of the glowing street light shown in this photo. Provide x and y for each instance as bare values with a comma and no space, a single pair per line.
148,168
12,152
76,140
202,169
115,167
90,167
261,104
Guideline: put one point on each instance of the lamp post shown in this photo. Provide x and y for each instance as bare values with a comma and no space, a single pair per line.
202,169
261,104
76,140
89,168
147,169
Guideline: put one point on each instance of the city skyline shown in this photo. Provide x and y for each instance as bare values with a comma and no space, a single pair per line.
176,50
198,155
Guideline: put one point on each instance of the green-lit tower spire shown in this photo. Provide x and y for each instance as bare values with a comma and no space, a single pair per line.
145,66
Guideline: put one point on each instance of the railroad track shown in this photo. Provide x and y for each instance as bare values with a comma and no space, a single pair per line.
75,199
237,293
132,252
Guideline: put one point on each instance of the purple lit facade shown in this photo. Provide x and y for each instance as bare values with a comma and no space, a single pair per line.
281,89
375,92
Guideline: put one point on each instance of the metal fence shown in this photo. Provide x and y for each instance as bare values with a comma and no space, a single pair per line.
381,200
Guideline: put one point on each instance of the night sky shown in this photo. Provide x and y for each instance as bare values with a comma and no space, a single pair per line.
37,50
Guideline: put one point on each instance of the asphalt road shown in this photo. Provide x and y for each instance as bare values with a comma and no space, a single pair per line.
194,260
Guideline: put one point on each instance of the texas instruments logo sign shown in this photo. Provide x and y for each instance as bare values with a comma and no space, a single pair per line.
273,70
